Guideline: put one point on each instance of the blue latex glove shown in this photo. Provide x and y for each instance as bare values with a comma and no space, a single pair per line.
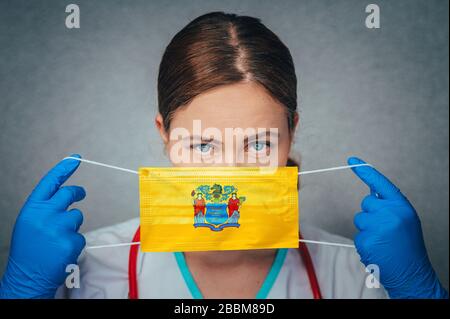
390,236
45,238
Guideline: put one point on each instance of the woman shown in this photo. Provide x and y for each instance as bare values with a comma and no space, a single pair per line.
227,71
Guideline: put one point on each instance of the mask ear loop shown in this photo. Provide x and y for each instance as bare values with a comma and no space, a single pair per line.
306,241
102,164
137,173
333,168
300,173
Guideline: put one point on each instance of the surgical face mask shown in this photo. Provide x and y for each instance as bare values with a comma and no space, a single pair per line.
218,208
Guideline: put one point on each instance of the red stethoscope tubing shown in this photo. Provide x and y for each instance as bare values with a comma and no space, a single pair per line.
133,257
132,266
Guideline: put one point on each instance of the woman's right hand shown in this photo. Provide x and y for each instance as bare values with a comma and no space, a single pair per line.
45,238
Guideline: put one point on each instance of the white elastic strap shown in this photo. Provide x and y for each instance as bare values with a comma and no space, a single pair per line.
102,164
136,172
300,173
300,240
333,168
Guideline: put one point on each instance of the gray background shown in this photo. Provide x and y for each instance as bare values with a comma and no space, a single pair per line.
378,94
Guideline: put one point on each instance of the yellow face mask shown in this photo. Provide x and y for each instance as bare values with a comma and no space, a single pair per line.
218,208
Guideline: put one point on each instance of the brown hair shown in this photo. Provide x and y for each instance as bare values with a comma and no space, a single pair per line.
221,48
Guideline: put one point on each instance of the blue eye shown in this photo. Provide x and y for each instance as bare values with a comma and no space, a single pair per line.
258,146
204,147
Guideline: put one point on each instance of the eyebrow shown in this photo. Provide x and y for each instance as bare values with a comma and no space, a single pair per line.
198,137
268,133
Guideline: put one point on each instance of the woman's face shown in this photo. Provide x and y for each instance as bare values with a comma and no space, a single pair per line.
232,125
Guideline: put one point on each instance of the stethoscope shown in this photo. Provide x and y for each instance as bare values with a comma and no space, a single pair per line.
134,252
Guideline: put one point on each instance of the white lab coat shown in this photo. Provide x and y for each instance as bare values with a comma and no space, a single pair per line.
104,272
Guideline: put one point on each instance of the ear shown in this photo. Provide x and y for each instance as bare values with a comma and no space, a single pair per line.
159,123
296,122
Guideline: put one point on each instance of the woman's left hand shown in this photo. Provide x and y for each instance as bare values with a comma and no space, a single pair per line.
390,236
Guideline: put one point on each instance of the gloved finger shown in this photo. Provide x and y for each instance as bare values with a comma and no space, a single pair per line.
78,242
363,220
70,220
370,203
360,241
376,181
66,196
50,183
375,194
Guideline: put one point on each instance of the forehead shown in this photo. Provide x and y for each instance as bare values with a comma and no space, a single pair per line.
242,105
